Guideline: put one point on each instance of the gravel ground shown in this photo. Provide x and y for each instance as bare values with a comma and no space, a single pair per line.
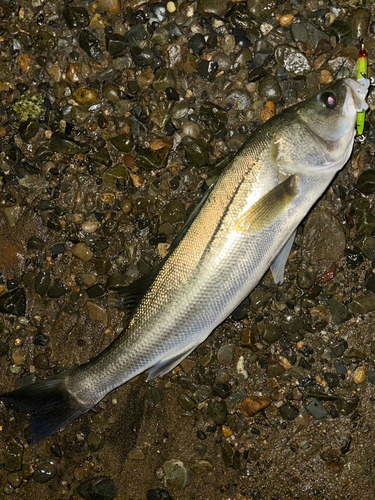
114,119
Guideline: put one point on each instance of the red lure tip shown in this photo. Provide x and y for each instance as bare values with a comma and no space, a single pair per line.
362,53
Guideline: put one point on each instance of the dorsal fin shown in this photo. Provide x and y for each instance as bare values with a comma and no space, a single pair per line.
130,296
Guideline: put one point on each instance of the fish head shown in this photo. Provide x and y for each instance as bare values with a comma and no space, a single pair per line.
332,113
321,129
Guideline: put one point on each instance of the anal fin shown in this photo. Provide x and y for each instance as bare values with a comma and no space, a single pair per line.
278,265
167,365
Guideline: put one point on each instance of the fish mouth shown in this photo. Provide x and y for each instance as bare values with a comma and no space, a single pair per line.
355,101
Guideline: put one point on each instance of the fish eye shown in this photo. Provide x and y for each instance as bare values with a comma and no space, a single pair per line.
327,99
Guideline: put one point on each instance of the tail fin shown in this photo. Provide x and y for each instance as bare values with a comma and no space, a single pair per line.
50,405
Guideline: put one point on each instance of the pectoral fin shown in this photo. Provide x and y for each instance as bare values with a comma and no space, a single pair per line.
270,206
278,265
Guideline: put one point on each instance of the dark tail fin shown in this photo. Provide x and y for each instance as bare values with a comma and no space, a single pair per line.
50,405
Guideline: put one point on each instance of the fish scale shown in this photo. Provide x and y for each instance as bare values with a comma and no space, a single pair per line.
246,222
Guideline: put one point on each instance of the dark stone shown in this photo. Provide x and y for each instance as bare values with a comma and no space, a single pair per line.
42,282
217,411
196,154
339,349
213,116
58,249
220,389
288,411
353,259
76,17
201,435
28,129
241,312
123,142
116,44
62,143
339,311
371,376
147,159
231,457
95,291
366,182
12,457
41,339
13,302
207,69
197,44
98,488
158,494
332,379
57,290
172,94
346,406
90,44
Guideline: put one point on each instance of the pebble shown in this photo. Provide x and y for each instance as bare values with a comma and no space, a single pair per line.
323,239
73,73
288,411
176,472
217,411
286,20
90,44
269,88
76,17
174,212
360,375
366,182
253,405
90,226
13,456
225,354
326,77
24,62
148,159
212,7
13,302
98,488
158,494
164,78
316,409
111,6
97,313
292,60
136,454
45,472
268,111
82,252
186,402
42,282
86,96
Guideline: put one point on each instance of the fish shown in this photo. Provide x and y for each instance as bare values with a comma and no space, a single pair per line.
244,225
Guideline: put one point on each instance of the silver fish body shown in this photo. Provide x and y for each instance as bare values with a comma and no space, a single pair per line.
245,222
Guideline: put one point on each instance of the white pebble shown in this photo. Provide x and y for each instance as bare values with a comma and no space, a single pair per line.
89,226
171,7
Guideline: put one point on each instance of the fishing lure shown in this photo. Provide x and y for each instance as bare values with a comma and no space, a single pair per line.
361,74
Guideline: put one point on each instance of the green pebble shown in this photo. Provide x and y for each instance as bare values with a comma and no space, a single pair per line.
174,212
218,412
164,78
186,402
147,159
196,154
